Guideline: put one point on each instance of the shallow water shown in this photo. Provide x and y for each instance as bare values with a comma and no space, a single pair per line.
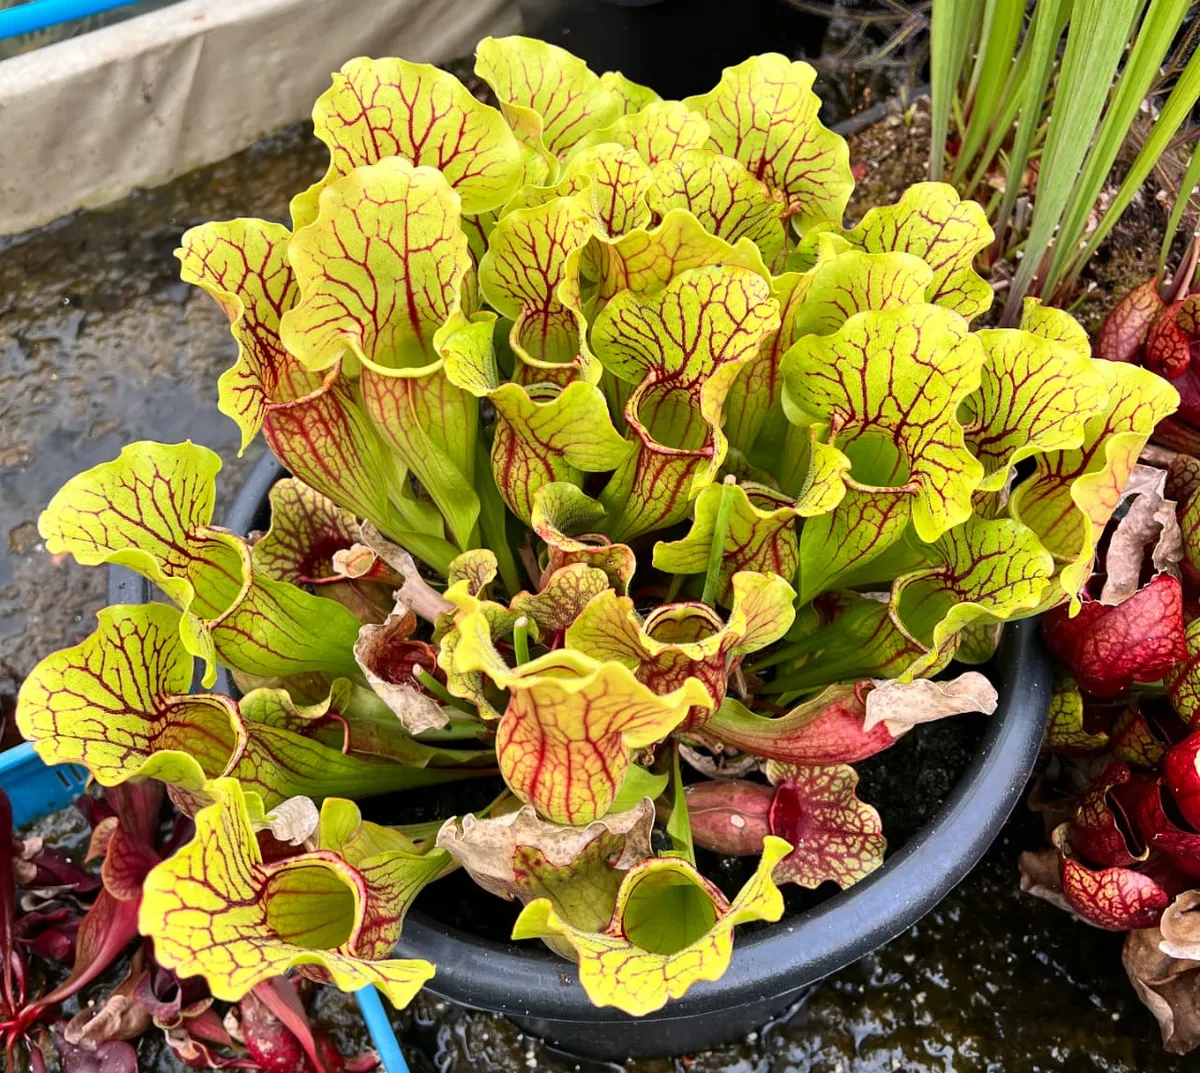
102,345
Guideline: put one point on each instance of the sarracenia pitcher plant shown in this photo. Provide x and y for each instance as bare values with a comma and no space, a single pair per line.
622,471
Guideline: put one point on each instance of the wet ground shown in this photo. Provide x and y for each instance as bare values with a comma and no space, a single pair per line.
102,345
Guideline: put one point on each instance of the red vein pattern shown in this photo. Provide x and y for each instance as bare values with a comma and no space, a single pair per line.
390,107
763,113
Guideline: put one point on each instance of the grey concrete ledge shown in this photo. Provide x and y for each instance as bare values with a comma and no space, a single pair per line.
85,121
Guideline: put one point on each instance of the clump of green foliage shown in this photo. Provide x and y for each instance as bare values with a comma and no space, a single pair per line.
1010,95
613,451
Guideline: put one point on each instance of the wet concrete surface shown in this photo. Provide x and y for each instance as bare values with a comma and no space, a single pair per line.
102,345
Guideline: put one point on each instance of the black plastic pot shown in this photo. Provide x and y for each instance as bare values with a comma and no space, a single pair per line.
771,967
677,46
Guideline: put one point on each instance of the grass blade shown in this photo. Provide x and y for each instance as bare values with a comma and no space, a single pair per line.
1159,26
1049,18
949,40
994,61
1176,109
1096,39
1187,187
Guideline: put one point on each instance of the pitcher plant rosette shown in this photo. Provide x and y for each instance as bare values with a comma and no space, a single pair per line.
620,467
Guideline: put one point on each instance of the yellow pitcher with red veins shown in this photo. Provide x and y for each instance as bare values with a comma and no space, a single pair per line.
624,476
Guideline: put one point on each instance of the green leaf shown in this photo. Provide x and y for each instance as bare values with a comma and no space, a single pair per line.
859,529
863,640
1057,325
634,97
613,182
678,643
565,740
639,783
671,928
390,107
150,509
753,405
843,281
381,272
661,131
549,97
566,520
646,260
1065,730
524,277
1035,396
307,530
546,434
562,597
1097,39
1171,116
981,570
950,33
118,704
216,909
764,114
760,536
932,223
729,201
994,63
900,374
679,827
682,347
313,422
1046,25
1073,492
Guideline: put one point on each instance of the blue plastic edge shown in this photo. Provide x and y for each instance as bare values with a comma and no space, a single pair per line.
35,15
35,788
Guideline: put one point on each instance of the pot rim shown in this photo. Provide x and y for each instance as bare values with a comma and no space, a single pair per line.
779,959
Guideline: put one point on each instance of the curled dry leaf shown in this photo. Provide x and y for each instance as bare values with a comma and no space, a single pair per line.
900,705
525,857
577,870
1169,987
1149,525
114,1056
718,764
416,593
1040,877
390,659
121,1017
293,821
1180,927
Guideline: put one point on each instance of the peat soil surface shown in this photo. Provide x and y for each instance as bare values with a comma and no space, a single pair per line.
103,345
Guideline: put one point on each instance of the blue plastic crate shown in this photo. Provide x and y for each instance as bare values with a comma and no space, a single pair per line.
35,788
